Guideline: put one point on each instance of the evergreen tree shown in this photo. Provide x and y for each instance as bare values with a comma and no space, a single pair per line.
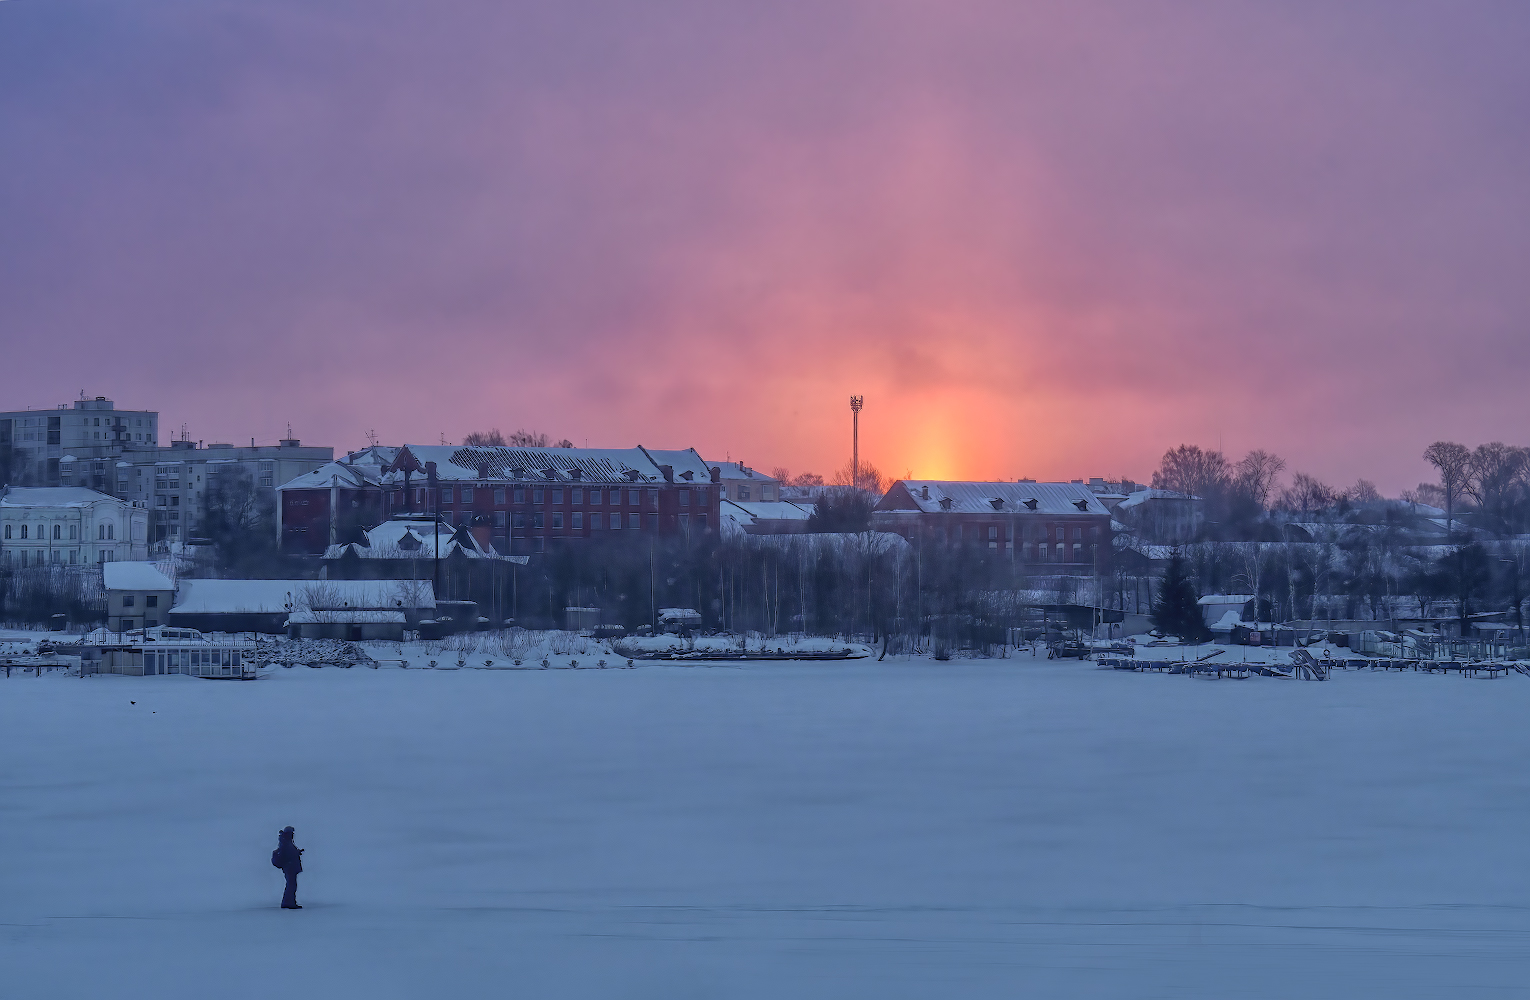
1175,610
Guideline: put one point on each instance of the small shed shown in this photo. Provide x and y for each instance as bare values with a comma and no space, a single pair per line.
138,595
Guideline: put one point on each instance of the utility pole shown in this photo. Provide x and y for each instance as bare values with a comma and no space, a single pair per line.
855,439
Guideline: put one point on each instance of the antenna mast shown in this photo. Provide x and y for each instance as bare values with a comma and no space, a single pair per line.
855,440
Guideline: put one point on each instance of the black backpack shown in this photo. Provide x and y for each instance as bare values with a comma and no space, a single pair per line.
276,858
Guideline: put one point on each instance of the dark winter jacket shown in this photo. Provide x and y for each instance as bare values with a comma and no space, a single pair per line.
288,857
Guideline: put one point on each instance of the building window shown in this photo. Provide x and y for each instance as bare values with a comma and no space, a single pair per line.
557,519
74,532
111,531
576,496
539,545
58,531
557,496
74,556
518,520
701,522
520,495
7,532
685,498
653,522
578,520
446,518
1078,553
743,493
766,493
702,499
499,519
151,601
499,499
596,521
536,496
616,521
1094,532
685,522
1041,553
595,497
127,601
1078,532
23,531
653,498
538,520
633,522
467,494
993,533
446,494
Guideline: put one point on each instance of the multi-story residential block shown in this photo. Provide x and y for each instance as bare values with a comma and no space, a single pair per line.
1057,528
69,526
170,481
73,445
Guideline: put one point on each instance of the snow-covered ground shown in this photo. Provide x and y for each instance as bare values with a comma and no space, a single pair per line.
999,828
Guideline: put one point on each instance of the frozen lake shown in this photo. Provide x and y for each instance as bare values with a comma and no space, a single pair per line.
901,829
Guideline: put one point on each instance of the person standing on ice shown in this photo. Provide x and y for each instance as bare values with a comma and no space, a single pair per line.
289,858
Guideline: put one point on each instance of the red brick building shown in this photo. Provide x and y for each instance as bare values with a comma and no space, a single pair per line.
1055,528
519,500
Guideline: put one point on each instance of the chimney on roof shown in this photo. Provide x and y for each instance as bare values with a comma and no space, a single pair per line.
716,474
669,473
483,472
924,493
576,474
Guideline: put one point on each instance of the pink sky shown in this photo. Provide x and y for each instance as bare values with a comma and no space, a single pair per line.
1041,239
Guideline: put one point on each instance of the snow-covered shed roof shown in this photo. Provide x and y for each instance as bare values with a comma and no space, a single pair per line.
737,514
1226,599
203,597
1141,497
936,496
134,576
55,496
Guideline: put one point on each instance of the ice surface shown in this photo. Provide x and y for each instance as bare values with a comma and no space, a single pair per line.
1001,828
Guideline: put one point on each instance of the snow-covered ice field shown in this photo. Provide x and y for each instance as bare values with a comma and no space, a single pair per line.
1000,828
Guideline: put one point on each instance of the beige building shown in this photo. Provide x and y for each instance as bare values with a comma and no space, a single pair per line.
138,595
741,483
69,526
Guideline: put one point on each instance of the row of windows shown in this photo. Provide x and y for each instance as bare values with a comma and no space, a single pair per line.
104,532
554,495
1045,533
578,520
149,600
24,557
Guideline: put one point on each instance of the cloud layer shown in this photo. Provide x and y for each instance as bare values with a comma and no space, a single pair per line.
1041,239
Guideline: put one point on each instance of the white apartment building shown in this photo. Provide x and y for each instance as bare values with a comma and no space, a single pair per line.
91,433
739,482
69,526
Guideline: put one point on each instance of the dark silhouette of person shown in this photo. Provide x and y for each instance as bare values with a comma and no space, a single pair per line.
289,858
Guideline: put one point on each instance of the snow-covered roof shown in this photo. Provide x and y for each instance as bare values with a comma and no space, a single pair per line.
738,470
936,496
592,465
683,461
55,496
134,576
1143,496
347,474
1226,599
277,596
416,538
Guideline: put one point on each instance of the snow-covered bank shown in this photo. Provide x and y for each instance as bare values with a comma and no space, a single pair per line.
897,829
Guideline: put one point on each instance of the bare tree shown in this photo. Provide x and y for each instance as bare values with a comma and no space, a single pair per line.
867,477
808,479
780,472
485,439
523,438
1453,462
1189,470
1256,475
1364,491
1496,478
1307,495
